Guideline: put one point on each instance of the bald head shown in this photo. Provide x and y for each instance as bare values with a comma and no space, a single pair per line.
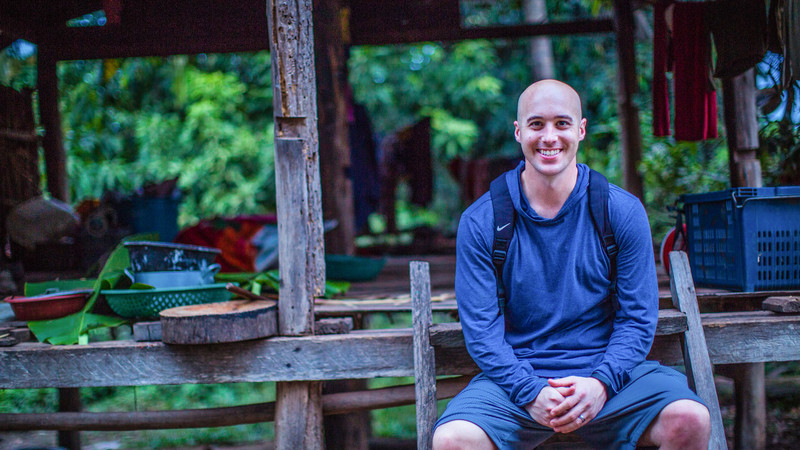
552,89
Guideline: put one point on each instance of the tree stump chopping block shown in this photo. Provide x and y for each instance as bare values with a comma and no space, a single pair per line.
232,321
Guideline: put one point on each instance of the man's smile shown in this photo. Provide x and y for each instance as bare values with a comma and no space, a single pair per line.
549,151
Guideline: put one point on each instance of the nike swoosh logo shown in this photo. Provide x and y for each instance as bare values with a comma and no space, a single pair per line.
501,228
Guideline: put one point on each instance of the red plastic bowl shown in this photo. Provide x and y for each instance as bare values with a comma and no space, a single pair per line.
45,307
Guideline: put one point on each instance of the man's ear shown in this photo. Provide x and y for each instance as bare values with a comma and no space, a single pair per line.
516,131
582,130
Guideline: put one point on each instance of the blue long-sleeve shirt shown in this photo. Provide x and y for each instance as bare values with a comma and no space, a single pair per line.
560,319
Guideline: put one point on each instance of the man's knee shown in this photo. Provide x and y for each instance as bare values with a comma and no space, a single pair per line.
460,434
685,423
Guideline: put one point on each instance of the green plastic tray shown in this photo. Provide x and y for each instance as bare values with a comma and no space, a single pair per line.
147,303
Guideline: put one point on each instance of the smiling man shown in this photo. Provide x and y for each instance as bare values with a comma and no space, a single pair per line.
566,353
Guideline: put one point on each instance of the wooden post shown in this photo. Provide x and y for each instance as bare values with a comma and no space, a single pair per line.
631,138
741,126
54,156
298,414
69,399
334,150
424,364
698,365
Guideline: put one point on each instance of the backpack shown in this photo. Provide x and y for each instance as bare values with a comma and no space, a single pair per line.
504,215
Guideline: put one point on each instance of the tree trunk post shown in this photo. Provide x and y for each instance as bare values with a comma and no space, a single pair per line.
631,138
332,102
541,47
298,415
741,126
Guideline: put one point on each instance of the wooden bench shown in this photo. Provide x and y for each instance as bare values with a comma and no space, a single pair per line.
440,349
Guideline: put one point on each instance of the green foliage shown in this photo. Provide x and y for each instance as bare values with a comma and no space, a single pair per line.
674,168
780,153
206,120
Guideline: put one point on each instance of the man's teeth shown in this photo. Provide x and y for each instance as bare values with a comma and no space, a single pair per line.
549,152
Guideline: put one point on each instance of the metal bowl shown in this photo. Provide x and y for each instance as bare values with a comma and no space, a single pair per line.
147,256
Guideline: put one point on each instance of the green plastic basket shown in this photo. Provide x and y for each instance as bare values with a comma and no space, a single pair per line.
147,303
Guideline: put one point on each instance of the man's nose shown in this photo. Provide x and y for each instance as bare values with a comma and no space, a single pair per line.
549,133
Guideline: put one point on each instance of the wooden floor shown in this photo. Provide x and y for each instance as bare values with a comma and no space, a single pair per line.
389,292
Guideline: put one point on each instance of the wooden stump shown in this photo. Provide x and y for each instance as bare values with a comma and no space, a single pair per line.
211,323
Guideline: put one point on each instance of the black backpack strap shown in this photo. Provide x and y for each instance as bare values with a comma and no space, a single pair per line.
504,215
598,205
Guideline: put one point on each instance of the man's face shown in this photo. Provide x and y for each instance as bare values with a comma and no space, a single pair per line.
549,127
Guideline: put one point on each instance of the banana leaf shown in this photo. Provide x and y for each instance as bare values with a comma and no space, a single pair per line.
74,329
256,282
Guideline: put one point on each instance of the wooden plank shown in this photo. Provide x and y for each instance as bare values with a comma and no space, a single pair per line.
294,236
359,354
449,334
399,36
147,331
764,336
697,362
732,338
782,304
341,325
424,362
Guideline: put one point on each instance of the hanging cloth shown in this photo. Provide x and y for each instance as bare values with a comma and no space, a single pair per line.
661,125
695,98
739,29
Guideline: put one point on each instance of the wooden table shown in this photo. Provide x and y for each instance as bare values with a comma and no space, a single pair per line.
747,336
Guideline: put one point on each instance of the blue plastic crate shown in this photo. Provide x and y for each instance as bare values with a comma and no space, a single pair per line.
745,238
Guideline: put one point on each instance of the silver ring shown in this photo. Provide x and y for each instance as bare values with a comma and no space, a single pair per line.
583,419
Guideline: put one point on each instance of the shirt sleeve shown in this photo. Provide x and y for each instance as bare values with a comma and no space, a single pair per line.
637,294
482,323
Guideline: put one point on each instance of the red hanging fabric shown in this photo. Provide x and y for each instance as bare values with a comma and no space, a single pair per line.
661,125
695,98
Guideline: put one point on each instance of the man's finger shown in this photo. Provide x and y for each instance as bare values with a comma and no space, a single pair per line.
561,382
565,406
565,391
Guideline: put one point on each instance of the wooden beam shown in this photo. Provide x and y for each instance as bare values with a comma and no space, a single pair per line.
69,400
102,42
732,338
298,415
385,37
332,107
54,156
359,354
630,136
332,404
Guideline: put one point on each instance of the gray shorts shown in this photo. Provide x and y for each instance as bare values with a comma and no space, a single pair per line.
619,424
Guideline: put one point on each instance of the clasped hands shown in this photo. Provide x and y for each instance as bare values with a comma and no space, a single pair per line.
567,404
